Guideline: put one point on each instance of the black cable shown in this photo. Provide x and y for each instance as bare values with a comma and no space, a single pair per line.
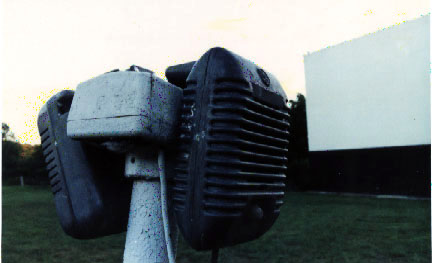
215,255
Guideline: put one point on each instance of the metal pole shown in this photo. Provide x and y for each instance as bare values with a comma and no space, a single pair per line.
145,241
145,238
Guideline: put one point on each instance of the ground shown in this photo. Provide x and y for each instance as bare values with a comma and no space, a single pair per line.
311,228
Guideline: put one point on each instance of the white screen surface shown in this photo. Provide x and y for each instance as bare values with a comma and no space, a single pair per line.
371,92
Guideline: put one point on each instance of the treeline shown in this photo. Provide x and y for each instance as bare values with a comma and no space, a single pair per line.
298,178
28,161
21,160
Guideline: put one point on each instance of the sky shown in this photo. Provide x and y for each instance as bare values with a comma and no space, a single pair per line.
51,45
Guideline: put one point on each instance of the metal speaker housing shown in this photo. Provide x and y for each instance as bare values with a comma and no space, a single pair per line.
232,155
91,195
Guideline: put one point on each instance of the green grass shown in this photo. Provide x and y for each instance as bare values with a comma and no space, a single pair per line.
311,228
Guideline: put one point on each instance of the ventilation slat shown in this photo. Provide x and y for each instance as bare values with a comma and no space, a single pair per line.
51,166
249,154
230,88
54,183
245,185
189,92
180,189
219,213
181,169
253,104
246,166
249,102
259,127
56,190
178,199
250,145
246,149
243,194
228,206
43,132
48,152
45,146
239,132
49,158
45,138
247,175
52,174
253,116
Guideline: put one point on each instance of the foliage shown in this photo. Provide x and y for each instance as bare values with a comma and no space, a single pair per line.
298,144
11,160
21,160
298,164
33,168
7,134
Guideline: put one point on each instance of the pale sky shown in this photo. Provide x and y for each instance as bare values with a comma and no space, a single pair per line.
51,45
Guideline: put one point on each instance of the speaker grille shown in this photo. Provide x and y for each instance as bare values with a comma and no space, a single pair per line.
49,153
246,153
185,137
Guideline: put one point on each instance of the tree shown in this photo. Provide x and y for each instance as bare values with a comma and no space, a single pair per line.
33,166
298,163
7,134
21,160
298,140
11,155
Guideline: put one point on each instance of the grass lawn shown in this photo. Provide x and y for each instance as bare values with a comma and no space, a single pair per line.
311,228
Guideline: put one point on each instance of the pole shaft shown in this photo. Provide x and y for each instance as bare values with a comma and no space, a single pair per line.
145,241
